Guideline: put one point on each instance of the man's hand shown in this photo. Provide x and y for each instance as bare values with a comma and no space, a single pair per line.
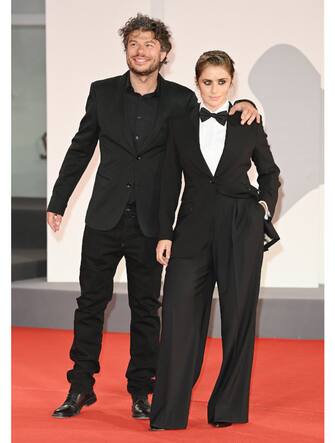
163,251
54,221
249,112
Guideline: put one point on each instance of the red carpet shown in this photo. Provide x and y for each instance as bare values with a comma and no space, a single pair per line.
286,395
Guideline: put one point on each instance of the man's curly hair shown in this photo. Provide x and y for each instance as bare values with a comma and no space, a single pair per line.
145,23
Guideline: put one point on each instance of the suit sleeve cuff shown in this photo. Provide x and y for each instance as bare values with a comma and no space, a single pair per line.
167,235
56,205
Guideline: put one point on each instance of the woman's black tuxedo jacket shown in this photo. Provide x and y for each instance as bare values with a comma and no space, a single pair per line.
242,144
120,166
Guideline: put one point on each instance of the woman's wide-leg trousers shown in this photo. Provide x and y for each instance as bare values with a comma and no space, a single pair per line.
233,259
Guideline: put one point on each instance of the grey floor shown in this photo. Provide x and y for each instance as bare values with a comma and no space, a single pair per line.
281,312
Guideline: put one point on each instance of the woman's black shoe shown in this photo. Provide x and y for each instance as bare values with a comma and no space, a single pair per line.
221,424
155,428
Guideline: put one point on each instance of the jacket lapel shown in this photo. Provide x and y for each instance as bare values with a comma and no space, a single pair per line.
233,122
126,135
122,117
198,157
115,113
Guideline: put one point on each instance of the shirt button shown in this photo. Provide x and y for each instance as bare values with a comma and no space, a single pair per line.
138,157
137,137
138,117
128,185
211,181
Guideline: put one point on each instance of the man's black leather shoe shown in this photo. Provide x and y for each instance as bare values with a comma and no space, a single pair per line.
221,424
73,404
140,408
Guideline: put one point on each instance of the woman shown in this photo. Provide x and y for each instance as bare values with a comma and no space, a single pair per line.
220,236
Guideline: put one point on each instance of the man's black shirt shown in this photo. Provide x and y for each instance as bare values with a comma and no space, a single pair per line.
141,111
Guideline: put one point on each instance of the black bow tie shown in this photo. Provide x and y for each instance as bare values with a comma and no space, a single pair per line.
220,117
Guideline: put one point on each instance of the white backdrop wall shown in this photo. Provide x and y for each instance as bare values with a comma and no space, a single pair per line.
277,48
28,112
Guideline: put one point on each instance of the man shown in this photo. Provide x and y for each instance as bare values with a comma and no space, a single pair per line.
128,114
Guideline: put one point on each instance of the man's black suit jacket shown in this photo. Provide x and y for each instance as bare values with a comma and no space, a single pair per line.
121,167
242,144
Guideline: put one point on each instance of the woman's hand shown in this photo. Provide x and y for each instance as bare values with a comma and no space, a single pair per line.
163,251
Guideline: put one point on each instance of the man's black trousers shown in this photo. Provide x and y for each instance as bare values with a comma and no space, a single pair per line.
101,254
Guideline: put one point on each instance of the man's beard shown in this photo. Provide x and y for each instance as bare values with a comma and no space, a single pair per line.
152,68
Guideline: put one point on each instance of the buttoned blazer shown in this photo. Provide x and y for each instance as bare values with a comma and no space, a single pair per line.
121,168
243,143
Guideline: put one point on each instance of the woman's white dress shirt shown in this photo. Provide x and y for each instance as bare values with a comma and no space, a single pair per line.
212,136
